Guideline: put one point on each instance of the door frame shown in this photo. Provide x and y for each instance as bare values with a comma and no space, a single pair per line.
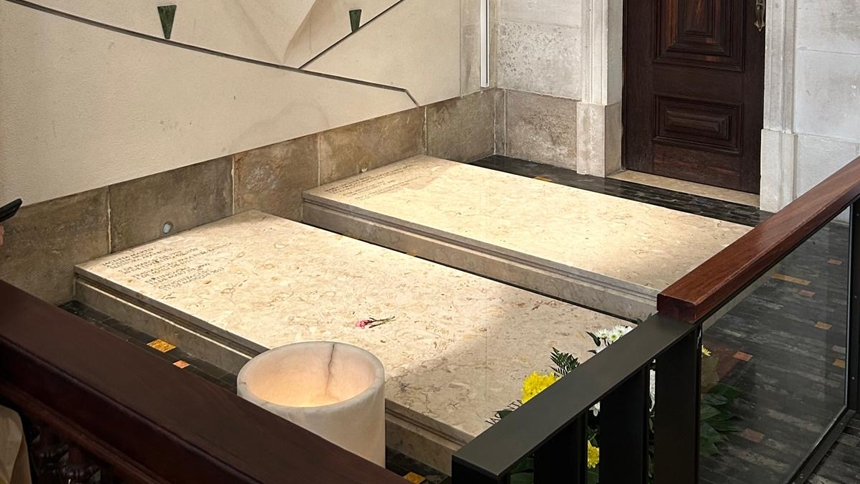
603,53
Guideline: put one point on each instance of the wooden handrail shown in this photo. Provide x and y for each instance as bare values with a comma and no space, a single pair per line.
148,420
713,283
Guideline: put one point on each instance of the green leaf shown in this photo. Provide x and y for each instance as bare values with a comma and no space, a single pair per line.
708,412
523,478
709,449
710,433
594,338
715,400
524,466
730,393
503,413
564,362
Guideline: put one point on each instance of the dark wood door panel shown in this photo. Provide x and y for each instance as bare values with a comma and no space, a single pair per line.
676,162
698,124
693,91
701,32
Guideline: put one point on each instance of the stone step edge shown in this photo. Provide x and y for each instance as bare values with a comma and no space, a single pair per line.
584,288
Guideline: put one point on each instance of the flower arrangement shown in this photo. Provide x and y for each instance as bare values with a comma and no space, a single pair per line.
716,420
373,322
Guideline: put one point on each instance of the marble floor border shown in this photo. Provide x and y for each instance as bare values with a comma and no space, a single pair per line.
652,195
717,193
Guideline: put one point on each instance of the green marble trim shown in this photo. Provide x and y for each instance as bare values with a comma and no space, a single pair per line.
167,13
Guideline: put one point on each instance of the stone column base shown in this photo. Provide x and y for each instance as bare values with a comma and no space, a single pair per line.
598,134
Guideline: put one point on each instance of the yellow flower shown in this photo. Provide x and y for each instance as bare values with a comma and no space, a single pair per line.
536,383
593,456
706,351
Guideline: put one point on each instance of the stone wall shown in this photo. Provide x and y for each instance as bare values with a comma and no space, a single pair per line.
827,89
46,240
537,50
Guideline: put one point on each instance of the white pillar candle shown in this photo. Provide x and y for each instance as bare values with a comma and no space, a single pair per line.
335,390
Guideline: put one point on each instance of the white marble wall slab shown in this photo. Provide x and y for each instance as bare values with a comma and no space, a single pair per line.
828,25
593,249
827,94
456,353
818,158
540,47
415,45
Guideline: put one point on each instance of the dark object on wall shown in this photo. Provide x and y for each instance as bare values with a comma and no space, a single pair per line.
167,13
9,211
355,19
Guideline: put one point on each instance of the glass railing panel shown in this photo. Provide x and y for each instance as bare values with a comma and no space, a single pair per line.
775,377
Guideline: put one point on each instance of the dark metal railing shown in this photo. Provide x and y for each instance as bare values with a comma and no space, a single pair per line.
552,426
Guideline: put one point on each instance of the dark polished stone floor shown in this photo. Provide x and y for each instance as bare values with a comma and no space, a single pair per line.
842,463
783,347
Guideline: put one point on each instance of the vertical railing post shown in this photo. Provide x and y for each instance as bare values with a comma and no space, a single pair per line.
564,457
676,420
624,432
854,309
461,474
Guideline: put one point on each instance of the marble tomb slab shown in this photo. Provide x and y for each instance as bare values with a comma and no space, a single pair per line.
600,251
457,351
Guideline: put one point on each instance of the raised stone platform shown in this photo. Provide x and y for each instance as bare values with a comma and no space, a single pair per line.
600,251
457,351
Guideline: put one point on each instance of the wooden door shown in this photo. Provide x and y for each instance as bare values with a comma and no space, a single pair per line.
694,91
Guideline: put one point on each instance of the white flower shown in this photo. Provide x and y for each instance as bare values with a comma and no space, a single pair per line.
596,409
616,333
653,388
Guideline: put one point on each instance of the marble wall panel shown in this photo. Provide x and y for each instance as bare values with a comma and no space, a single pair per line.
462,129
818,158
540,58
45,241
354,149
829,26
567,13
827,95
541,129
272,179
185,198
499,120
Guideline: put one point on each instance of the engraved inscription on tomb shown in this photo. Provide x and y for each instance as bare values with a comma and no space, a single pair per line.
373,184
167,268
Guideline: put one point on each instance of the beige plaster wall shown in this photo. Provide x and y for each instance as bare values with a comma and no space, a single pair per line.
82,107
